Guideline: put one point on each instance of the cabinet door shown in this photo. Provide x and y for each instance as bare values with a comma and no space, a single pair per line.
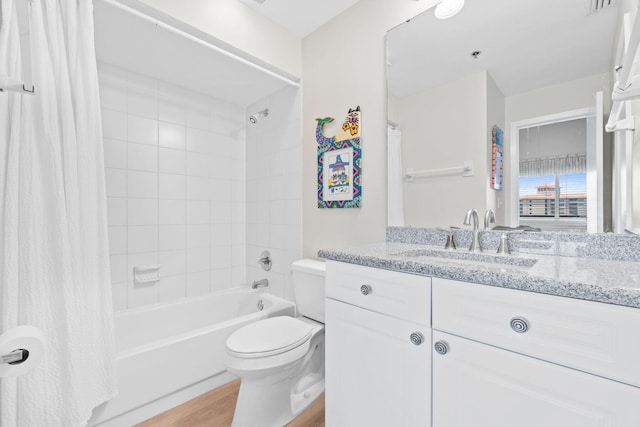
375,375
477,385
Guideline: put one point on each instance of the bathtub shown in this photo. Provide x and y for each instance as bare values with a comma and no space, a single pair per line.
168,354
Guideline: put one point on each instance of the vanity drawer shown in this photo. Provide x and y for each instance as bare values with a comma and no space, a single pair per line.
401,295
598,338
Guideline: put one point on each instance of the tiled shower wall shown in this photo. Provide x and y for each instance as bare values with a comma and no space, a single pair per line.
175,167
274,161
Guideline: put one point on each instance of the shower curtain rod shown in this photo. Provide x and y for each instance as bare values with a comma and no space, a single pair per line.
201,42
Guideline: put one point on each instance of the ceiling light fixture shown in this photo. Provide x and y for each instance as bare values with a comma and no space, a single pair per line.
448,8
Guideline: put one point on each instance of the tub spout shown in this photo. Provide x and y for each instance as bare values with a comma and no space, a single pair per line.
260,284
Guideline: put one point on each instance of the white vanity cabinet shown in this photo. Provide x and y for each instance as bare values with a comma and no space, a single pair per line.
506,358
378,347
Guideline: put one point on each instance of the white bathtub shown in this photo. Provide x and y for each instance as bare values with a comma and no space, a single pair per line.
168,354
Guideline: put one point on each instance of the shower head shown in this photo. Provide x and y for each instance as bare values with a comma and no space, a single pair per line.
254,117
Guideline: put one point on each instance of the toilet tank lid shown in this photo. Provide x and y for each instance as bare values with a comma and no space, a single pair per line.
310,266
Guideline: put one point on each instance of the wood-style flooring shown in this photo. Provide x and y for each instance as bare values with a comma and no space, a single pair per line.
215,409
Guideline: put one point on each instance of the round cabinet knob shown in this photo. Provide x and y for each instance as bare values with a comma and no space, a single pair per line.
519,324
416,338
366,289
441,347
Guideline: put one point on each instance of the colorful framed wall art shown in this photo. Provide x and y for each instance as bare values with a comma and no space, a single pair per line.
497,158
339,163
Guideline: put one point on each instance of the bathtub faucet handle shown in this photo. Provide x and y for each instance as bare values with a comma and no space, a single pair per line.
260,284
265,260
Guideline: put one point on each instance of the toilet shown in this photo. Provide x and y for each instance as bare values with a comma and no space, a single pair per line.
280,360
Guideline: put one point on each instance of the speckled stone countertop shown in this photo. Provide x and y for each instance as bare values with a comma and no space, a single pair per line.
539,269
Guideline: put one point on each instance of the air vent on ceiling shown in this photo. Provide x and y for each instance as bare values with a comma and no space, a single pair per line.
594,6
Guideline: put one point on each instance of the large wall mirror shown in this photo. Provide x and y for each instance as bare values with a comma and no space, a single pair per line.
537,70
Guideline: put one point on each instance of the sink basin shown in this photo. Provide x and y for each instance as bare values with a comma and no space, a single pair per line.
460,257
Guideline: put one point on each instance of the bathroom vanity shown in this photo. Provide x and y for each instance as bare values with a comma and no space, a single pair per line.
461,340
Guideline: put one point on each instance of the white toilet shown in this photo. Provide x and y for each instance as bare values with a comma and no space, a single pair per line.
280,360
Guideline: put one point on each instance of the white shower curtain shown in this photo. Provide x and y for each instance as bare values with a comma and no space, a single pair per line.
395,200
54,265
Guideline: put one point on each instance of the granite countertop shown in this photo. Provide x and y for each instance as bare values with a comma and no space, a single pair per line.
594,279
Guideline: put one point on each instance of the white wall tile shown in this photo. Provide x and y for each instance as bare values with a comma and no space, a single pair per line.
172,212
142,104
198,284
221,168
197,259
197,188
172,135
220,235
172,237
198,110
165,189
142,184
142,294
220,211
221,279
172,186
172,161
142,157
198,164
117,240
112,96
117,211
116,182
172,92
238,277
172,111
199,141
198,236
172,105
221,189
114,124
142,130
220,257
118,265
172,288
142,212
198,212
115,153
119,296
238,255
173,263
142,238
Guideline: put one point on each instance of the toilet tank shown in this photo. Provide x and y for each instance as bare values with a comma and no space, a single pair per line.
308,286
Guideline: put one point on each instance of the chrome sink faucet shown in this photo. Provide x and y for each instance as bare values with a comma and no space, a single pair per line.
472,214
489,218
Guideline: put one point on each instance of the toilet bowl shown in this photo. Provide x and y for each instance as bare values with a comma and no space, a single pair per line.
280,360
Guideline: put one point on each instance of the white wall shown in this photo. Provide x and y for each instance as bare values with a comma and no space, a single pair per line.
343,65
175,187
442,128
274,165
241,28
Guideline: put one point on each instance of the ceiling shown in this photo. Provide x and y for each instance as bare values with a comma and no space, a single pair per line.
301,17
524,44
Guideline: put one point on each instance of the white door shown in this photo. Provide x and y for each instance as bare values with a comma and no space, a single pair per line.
375,375
477,385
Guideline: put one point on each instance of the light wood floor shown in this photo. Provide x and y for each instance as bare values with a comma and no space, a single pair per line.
215,409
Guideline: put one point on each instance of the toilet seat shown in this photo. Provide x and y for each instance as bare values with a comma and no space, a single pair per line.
269,337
